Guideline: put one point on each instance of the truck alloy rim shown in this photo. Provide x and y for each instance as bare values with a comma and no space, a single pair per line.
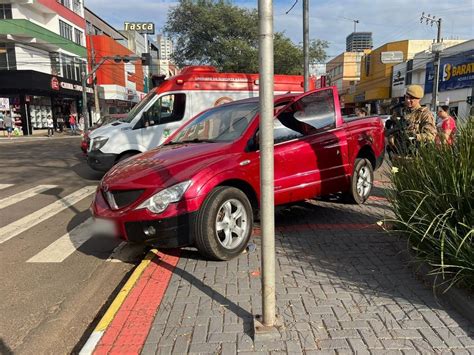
231,224
364,182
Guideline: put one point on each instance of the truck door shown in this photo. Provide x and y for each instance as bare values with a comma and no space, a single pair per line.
161,119
306,134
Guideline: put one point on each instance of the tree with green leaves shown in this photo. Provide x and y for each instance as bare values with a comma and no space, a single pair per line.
218,33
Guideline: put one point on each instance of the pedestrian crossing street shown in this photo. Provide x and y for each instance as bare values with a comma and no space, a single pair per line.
65,245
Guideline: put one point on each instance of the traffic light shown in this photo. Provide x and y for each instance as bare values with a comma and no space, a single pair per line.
469,100
146,59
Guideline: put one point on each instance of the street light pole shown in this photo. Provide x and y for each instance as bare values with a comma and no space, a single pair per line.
306,43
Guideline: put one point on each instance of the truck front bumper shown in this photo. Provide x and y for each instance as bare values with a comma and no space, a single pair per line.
101,161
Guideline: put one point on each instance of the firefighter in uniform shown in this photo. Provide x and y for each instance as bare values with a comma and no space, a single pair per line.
415,127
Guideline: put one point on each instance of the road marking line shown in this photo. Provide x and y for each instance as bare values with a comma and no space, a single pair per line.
13,229
11,200
58,251
5,186
99,330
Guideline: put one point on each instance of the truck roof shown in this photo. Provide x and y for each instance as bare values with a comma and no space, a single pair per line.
205,78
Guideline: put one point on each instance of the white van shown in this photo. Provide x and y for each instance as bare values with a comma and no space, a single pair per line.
168,106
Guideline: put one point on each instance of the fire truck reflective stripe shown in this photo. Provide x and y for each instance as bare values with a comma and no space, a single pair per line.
23,224
11,200
66,245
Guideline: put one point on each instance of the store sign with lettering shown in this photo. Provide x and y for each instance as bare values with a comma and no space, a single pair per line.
456,72
140,27
54,83
398,79
75,87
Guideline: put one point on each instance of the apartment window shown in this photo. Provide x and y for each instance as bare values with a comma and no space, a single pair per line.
76,6
66,3
72,67
5,11
7,56
65,30
409,74
78,36
367,64
55,63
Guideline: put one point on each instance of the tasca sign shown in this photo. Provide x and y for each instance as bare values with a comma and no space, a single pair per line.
391,57
140,27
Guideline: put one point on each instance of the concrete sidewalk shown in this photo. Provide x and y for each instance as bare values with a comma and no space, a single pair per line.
342,287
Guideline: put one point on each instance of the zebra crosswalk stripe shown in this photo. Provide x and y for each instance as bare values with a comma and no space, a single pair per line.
5,186
14,229
11,200
66,245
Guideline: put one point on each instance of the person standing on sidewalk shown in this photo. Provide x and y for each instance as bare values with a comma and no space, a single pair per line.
8,124
417,125
50,124
60,122
72,123
446,127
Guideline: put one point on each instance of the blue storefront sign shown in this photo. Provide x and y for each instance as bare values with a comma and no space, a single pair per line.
456,72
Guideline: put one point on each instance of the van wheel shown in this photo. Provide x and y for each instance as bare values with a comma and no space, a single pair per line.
224,224
361,181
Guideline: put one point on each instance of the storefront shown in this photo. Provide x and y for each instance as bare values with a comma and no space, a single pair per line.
456,81
33,96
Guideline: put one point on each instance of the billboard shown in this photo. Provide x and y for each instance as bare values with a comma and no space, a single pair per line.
140,27
456,72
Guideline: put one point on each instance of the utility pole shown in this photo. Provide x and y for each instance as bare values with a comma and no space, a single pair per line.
265,325
437,61
306,43
94,81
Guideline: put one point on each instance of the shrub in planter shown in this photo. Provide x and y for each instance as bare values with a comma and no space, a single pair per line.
433,202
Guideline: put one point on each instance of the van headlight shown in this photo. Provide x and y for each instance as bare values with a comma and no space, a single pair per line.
98,142
161,200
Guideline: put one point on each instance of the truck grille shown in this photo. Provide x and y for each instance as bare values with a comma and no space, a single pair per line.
121,198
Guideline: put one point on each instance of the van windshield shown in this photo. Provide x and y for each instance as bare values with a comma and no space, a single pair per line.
138,107
220,124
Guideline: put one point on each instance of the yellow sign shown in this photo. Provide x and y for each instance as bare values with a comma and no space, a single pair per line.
457,70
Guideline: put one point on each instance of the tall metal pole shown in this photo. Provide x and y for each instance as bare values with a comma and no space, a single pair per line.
437,64
266,70
96,91
306,43
85,114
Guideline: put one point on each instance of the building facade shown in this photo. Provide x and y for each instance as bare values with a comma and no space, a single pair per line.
344,72
42,57
359,41
456,77
120,85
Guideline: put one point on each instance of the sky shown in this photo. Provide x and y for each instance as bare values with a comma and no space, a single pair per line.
330,20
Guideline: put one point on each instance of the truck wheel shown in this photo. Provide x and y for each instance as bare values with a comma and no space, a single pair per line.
361,181
223,224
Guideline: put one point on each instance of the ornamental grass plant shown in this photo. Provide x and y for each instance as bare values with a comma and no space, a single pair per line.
433,200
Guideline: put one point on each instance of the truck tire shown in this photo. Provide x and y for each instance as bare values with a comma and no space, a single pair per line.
223,224
361,181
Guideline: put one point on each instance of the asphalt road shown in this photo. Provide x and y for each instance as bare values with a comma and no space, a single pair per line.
57,277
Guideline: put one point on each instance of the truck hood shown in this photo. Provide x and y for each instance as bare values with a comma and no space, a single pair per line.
165,166
108,129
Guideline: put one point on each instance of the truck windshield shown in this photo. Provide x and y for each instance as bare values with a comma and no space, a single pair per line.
220,124
137,108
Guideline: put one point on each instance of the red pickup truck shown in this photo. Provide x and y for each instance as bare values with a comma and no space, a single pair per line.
202,188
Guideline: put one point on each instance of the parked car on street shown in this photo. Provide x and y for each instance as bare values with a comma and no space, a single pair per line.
202,186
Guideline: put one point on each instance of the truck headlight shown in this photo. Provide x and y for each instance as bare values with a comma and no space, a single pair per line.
161,200
98,142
